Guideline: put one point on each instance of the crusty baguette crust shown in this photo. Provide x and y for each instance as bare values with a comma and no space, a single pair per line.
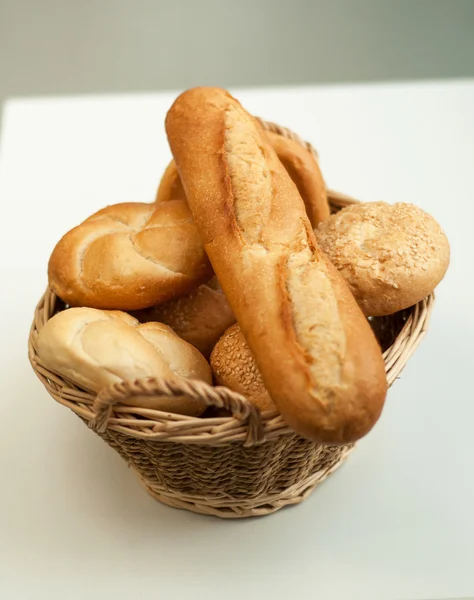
300,164
170,187
315,350
95,348
304,170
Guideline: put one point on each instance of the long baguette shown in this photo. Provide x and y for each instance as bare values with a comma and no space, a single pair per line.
300,164
315,350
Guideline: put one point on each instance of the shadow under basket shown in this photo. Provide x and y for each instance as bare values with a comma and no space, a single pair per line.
249,464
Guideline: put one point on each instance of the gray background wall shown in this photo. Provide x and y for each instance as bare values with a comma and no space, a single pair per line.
83,46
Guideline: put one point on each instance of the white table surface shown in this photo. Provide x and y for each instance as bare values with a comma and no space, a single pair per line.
397,521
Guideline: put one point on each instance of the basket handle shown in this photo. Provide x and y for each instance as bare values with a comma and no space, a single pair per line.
220,397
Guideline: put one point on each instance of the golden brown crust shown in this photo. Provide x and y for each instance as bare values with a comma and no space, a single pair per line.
95,348
200,318
129,256
315,350
233,365
170,187
304,170
300,164
392,256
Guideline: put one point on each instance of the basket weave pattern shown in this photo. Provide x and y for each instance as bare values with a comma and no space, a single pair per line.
248,464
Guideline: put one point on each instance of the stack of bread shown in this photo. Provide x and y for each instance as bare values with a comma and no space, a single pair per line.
239,262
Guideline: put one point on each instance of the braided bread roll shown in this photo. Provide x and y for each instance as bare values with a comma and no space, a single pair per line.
316,352
300,164
129,256
95,348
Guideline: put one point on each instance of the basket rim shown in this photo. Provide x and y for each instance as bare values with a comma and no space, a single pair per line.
247,424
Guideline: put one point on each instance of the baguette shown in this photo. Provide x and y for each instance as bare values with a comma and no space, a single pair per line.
304,170
316,352
300,164
170,187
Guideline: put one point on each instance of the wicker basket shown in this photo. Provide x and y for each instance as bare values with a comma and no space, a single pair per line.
249,464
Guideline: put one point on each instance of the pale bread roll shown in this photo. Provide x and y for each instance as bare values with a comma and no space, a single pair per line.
392,256
317,355
233,365
95,348
129,256
200,318
300,164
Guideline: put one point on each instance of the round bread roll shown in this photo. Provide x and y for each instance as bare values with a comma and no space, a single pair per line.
200,318
300,164
234,366
95,348
392,256
129,256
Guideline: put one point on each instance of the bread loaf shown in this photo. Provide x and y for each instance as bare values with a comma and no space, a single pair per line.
304,170
315,350
129,256
170,187
392,256
233,365
299,163
95,348
200,318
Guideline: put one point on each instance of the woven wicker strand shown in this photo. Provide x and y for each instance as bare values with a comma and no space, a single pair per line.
248,508
220,397
249,464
